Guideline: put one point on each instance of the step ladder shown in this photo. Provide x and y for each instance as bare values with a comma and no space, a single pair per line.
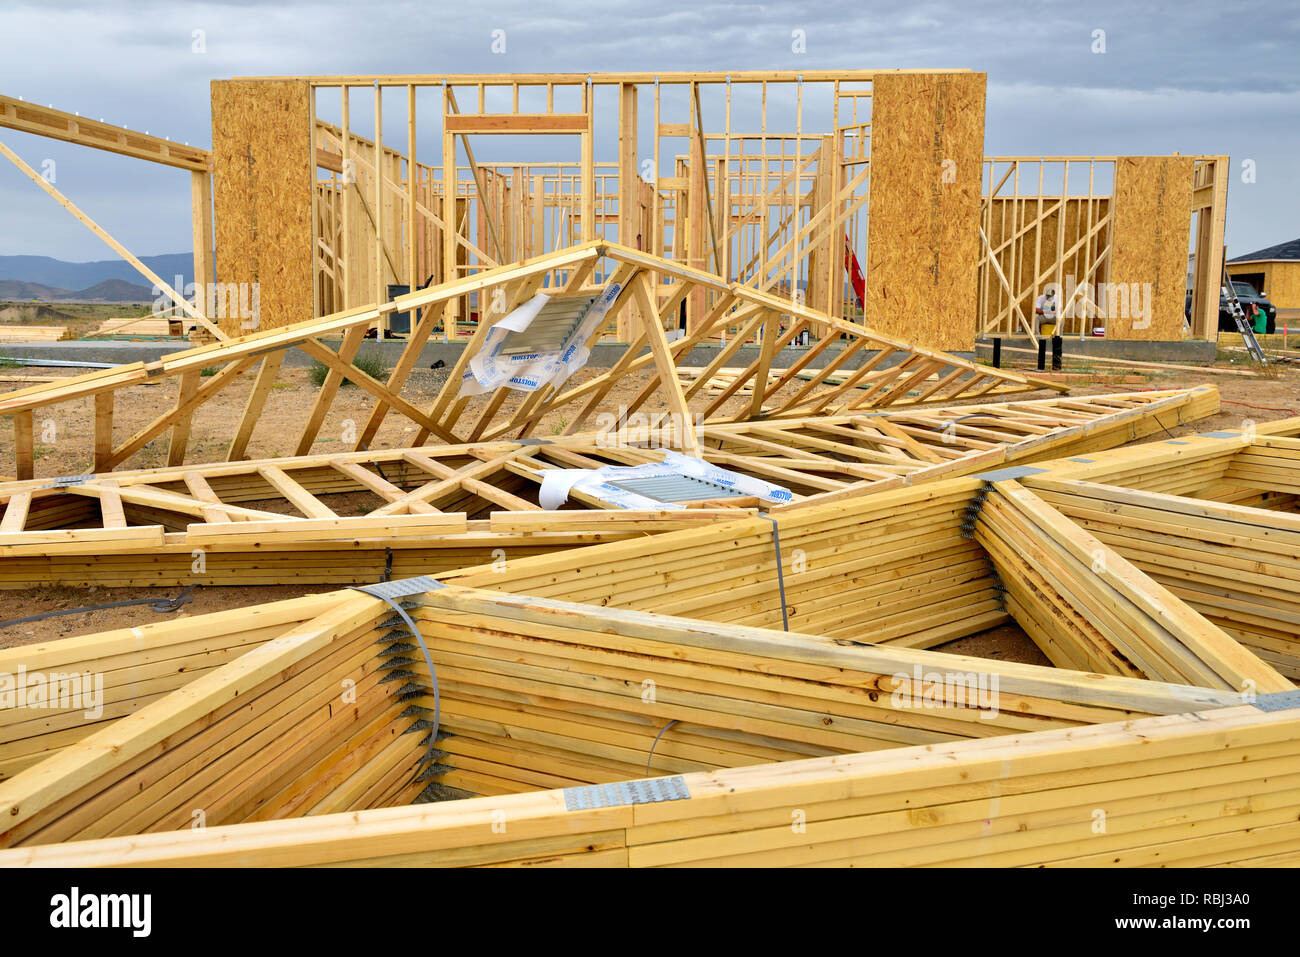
1243,324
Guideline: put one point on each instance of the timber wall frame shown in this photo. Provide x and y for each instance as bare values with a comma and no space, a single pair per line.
1039,226
769,199
763,206
762,197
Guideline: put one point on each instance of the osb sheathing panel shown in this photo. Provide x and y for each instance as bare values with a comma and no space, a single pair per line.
927,150
1037,249
262,191
1283,285
1153,221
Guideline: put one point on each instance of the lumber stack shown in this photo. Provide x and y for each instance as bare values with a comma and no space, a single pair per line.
1202,789
138,666
139,326
1089,609
346,518
35,333
1237,566
891,567
535,694
268,734
1268,464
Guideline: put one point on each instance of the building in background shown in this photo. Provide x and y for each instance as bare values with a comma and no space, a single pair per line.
1274,271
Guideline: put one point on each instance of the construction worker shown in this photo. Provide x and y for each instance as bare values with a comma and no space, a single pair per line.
1045,312
1258,319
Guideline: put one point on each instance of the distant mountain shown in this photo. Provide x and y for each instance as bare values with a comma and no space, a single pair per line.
114,290
16,289
58,274
110,290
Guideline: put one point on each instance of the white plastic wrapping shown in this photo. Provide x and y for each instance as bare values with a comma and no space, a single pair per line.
557,483
489,370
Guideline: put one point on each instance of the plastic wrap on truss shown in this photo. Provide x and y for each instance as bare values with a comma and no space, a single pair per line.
629,486
498,365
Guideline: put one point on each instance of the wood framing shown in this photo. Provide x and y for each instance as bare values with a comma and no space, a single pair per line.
72,128
1153,209
897,756
350,518
927,145
1153,709
263,184
888,372
16,114
1054,221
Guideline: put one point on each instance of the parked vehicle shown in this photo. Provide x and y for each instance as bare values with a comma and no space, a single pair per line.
1248,297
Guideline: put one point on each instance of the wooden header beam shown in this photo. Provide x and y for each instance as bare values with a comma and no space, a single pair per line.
45,121
516,123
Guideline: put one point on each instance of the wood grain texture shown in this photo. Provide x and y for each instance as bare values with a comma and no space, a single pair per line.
262,183
1153,220
927,144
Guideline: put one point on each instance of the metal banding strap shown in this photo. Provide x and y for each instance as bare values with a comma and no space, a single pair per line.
651,756
1220,435
626,792
780,574
405,588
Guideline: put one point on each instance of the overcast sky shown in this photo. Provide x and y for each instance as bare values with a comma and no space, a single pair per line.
1190,76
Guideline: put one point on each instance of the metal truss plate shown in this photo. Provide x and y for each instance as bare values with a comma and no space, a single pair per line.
675,488
621,793
64,481
1014,472
1278,701
402,588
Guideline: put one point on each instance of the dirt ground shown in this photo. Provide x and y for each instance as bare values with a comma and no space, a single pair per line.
1257,399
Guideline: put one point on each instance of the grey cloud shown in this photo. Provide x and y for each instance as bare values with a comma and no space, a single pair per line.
1193,76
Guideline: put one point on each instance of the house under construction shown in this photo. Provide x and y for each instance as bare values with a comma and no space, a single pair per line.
687,609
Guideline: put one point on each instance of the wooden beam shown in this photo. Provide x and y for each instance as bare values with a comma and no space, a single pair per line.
270,368
72,128
515,123
664,364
